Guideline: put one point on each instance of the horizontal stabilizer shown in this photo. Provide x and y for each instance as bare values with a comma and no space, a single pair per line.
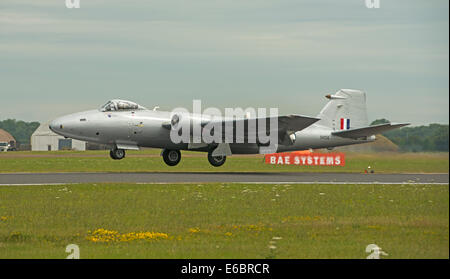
367,131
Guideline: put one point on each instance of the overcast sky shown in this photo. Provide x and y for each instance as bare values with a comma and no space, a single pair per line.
279,53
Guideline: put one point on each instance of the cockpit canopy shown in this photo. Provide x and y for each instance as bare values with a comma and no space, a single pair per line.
120,105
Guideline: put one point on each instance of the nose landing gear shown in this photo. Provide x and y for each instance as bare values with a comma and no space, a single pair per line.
117,154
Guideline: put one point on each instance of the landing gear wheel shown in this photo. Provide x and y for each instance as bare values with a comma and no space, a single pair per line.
171,157
216,161
117,154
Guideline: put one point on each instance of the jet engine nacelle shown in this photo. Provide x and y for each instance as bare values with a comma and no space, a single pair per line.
184,122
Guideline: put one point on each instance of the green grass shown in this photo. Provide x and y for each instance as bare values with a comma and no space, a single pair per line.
149,161
226,220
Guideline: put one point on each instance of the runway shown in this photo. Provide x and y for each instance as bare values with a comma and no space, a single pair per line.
203,177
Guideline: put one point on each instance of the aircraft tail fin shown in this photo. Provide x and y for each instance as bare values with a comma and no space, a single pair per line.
345,109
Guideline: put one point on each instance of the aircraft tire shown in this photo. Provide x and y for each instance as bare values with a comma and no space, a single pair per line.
171,157
117,154
216,161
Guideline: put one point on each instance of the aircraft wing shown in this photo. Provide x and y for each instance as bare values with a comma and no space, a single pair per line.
287,125
295,122
367,131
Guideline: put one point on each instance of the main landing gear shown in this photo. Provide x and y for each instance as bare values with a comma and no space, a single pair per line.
117,154
171,157
216,161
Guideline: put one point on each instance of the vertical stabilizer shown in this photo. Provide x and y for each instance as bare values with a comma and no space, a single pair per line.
346,109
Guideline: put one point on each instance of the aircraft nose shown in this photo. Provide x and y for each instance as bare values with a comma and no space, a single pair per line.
57,125
52,125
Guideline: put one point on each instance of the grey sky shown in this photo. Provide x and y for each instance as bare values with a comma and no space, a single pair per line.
284,53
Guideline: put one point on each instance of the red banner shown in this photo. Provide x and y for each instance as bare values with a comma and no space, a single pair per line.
308,159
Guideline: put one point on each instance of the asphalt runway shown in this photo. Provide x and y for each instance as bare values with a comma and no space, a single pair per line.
190,177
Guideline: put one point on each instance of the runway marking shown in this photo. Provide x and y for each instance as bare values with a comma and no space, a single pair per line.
224,172
245,182
345,183
40,184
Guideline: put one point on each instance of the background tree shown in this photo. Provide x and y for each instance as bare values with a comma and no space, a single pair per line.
433,137
20,130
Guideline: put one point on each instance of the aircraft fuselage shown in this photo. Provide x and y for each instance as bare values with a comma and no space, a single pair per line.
125,125
144,128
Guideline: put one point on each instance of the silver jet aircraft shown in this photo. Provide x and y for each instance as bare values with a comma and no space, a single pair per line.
124,125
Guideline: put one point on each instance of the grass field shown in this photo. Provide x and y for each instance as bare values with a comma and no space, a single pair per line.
150,161
224,220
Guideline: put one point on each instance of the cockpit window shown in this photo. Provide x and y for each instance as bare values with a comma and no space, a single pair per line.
120,105
123,105
109,106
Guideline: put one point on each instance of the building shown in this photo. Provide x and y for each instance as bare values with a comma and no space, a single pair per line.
7,142
43,139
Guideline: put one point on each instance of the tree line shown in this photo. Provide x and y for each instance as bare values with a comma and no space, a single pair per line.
433,137
20,130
